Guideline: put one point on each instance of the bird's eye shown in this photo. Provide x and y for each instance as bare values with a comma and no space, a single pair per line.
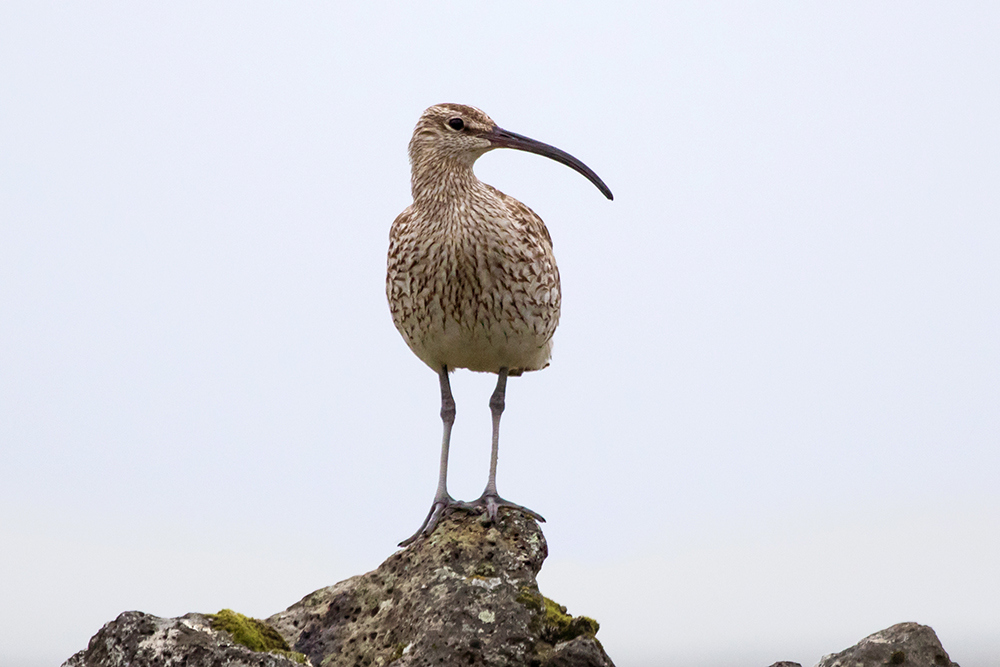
456,124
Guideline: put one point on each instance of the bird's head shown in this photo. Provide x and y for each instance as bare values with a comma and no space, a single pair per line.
452,132
460,134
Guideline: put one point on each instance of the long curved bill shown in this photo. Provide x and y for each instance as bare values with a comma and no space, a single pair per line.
502,138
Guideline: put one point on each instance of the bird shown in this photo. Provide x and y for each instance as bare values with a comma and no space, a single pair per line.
471,279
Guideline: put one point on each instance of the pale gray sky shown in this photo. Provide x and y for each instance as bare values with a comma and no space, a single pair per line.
772,421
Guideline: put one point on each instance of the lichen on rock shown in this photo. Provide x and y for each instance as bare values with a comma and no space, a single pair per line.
466,594
135,639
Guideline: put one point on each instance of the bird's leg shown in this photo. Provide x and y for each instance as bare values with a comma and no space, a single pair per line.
490,499
496,408
442,499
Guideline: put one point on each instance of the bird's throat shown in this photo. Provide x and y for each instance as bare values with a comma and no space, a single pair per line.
439,182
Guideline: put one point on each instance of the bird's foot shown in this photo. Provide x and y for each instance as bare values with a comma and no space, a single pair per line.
442,505
490,504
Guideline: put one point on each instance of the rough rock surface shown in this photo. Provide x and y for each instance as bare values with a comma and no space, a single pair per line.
909,644
465,595
135,639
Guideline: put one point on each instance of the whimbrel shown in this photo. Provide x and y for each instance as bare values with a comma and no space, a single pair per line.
471,279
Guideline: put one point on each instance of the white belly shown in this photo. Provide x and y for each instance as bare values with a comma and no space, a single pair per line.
483,316
486,348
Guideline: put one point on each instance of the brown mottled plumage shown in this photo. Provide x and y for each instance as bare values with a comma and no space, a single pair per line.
471,278
472,281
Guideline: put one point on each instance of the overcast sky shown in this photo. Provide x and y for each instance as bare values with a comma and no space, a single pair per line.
771,425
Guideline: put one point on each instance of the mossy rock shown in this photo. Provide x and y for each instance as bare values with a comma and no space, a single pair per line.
256,635
561,627
557,624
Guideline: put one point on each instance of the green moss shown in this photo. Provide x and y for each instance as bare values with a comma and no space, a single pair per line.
531,598
557,621
397,653
897,658
585,625
254,634
486,570
556,624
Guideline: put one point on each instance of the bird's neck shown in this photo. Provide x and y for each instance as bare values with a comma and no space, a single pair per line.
438,180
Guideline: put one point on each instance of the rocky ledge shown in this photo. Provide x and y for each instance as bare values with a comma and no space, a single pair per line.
465,595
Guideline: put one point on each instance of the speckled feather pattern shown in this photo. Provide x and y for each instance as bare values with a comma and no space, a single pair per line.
471,279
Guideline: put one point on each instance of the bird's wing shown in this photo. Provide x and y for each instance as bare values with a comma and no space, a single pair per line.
525,216
397,232
399,225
